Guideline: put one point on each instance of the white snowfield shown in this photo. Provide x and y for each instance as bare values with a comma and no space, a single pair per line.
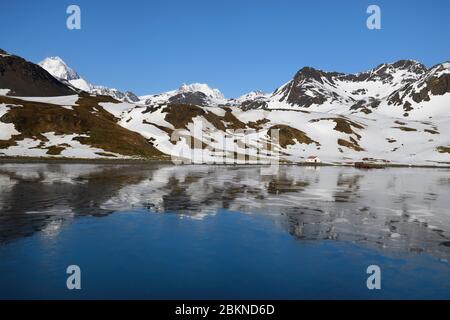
62,100
7,130
117,109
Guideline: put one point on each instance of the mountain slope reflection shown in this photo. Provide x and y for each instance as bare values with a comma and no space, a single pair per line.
400,209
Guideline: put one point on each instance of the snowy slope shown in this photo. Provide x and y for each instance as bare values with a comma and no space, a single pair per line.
383,140
217,134
74,126
394,113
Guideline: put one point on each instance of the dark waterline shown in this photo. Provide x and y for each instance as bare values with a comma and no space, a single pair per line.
199,232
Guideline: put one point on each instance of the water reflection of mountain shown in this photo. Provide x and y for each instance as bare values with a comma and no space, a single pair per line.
41,197
397,209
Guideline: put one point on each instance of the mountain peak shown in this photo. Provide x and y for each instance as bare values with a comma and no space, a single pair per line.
55,58
194,93
406,63
203,88
59,69
307,73
252,95
442,67
411,66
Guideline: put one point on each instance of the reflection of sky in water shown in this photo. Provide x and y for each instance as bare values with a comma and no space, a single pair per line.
399,209
303,233
228,255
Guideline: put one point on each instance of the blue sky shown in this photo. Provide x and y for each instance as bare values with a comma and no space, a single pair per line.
234,45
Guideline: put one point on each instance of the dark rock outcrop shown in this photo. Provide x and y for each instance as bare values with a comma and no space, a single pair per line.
24,78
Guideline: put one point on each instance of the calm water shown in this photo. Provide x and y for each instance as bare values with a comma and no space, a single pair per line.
210,232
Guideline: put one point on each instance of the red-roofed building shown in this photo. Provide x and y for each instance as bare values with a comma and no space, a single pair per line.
313,159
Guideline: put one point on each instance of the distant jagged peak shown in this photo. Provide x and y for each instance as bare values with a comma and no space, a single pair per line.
310,73
385,71
203,88
411,66
253,95
60,70
440,69
194,93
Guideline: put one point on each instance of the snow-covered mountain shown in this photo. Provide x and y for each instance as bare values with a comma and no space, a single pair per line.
195,93
389,89
203,95
396,113
60,70
396,89
251,100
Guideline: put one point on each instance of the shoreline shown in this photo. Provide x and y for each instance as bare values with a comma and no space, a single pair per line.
366,166
79,160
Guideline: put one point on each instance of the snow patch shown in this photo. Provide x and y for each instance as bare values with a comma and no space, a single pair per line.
7,130
117,109
4,92
61,100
